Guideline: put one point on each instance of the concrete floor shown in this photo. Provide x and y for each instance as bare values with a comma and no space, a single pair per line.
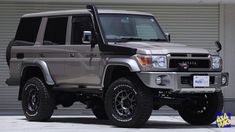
89,124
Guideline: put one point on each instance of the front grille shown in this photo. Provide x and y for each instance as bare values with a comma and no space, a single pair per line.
200,55
188,55
192,63
179,55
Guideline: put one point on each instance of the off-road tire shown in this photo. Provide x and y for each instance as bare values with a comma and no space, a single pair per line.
98,109
140,104
43,97
214,104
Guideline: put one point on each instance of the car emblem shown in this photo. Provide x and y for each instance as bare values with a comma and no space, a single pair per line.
189,62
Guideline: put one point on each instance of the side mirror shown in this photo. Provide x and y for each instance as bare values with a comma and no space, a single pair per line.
168,35
86,38
218,45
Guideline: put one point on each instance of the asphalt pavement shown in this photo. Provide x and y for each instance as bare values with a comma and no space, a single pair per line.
91,124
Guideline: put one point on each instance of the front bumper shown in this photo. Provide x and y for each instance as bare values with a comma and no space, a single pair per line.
182,82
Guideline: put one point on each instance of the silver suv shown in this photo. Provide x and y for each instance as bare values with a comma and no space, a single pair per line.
119,63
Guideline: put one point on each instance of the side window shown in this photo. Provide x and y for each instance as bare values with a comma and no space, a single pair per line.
55,33
80,24
28,29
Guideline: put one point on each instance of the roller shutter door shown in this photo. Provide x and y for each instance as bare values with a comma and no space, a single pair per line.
195,25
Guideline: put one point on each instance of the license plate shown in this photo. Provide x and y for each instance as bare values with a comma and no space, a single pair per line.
201,81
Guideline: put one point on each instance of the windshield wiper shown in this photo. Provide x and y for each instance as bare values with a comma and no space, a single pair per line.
126,39
157,39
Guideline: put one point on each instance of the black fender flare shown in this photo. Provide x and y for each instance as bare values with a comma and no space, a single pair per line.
131,64
44,68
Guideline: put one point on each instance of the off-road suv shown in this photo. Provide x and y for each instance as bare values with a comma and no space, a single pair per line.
119,63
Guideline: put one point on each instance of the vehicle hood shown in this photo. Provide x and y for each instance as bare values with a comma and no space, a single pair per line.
161,48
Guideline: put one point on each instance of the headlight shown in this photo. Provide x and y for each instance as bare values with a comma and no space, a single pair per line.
155,61
216,62
159,61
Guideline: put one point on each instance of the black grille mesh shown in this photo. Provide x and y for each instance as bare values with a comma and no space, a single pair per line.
193,63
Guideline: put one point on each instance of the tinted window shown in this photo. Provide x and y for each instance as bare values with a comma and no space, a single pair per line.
28,29
80,24
55,31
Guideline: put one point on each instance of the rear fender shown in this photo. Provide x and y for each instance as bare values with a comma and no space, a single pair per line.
44,68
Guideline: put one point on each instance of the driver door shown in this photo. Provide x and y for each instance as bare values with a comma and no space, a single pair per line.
83,62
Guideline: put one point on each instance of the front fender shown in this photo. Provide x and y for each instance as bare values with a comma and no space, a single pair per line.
44,68
130,63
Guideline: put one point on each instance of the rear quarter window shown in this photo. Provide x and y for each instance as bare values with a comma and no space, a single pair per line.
28,29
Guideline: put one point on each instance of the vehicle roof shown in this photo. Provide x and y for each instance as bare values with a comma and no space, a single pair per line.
74,12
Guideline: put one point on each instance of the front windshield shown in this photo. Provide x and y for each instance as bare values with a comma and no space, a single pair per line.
131,28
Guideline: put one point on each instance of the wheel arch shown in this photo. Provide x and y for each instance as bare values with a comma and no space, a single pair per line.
116,68
32,69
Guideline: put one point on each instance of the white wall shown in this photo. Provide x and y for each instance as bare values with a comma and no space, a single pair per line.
229,48
227,37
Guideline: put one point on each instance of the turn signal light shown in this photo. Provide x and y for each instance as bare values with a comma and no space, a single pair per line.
145,59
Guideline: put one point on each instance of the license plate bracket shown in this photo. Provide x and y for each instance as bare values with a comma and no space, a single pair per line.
201,81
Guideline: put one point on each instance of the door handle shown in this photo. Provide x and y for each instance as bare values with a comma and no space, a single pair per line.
20,55
42,55
72,54
91,55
